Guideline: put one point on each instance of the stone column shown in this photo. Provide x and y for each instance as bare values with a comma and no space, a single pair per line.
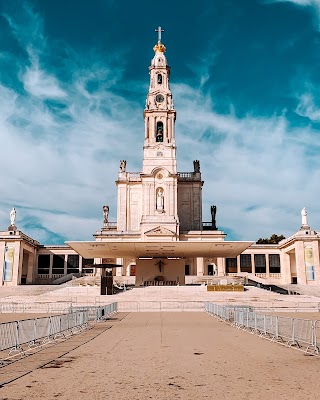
31,269
119,269
316,260
50,266
301,269
267,265
253,267
221,264
199,266
238,265
285,268
146,128
80,264
17,262
128,268
169,128
2,250
172,128
65,264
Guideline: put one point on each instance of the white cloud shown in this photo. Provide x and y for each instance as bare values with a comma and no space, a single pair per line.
40,84
259,162
307,107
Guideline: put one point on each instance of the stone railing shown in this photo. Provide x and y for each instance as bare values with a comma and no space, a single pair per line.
43,276
276,276
207,226
189,176
263,276
129,176
110,225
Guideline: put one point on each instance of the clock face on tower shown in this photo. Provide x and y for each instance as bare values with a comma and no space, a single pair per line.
159,98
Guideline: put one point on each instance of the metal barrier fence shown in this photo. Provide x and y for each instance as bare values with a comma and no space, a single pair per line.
97,313
144,305
58,307
158,306
302,333
21,336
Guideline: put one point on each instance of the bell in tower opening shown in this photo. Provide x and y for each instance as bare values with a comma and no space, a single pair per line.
159,136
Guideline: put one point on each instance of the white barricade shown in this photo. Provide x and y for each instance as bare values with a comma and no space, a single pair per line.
302,333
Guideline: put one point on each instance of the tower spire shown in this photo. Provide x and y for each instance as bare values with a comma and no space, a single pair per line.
159,115
159,30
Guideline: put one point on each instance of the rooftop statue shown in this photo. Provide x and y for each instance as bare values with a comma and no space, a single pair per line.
304,217
13,214
105,214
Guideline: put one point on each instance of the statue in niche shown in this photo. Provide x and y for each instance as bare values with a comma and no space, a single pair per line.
159,79
160,199
196,166
13,215
213,217
105,214
123,164
304,217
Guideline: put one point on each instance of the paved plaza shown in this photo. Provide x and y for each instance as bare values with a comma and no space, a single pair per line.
170,356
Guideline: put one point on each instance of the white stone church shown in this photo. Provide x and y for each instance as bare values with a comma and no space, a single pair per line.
159,237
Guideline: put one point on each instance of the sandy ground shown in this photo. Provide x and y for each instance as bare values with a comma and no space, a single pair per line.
172,356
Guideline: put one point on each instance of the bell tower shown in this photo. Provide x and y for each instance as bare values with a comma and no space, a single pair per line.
159,172
159,115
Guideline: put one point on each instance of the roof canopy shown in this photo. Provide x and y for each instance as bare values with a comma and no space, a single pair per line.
183,249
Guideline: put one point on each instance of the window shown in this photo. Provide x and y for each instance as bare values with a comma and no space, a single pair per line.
73,263
159,134
43,263
260,263
85,262
274,264
231,265
245,263
58,264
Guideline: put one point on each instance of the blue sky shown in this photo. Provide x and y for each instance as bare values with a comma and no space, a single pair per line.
245,77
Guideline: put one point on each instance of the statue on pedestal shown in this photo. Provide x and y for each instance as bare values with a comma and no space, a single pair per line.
213,217
304,217
123,164
196,166
13,214
105,214
160,199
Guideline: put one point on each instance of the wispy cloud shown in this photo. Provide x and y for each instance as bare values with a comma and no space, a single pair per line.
258,163
63,140
307,107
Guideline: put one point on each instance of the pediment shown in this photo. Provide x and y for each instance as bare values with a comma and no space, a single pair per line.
160,231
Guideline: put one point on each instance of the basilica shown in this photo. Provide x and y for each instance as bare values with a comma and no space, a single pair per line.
159,236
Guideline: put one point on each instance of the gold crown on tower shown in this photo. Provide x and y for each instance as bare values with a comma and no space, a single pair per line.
159,48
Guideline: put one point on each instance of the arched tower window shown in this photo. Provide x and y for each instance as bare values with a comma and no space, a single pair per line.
159,78
159,135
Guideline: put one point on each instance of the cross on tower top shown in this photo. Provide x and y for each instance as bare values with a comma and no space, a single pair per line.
159,30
